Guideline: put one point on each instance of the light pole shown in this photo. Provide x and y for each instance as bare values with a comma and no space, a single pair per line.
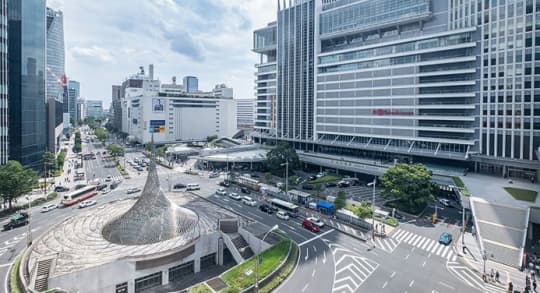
374,183
29,230
484,257
286,164
257,259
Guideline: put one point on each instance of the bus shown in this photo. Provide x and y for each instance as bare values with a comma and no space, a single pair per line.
286,206
79,195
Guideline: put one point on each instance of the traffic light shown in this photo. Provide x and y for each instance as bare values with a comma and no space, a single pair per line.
433,218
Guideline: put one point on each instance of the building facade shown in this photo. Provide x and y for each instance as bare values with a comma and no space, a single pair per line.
413,80
244,113
94,109
116,107
191,84
223,91
55,55
27,79
4,102
74,94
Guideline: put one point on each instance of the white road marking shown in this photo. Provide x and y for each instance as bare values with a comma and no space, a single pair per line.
447,286
314,248
305,287
324,257
407,257
441,247
424,264
384,285
316,237
392,275
417,240
430,244
410,284
307,253
454,258
313,273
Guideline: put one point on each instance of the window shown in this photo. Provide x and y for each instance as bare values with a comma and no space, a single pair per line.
148,282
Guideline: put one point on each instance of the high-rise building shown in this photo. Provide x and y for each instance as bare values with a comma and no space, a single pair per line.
55,55
116,107
74,93
450,82
222,91
81,109
94,109
4,110
244,113
27,75
191,84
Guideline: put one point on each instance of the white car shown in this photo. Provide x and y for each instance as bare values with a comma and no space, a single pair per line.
133,190
87,203
444,202
282,215
316,221
48,208
105,191
249,201
221,191
235,196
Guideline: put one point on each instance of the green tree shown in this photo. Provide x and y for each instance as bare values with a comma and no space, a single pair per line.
341,200
77,147
279,155
363,210
91,122
49,159
60,159
15,181
101,134
410,184
115,150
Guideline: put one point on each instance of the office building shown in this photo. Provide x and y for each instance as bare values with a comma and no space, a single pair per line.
448,82
81,109
55,124
27,75
191,84
222,91
244,113
94,109
74,94
116,107
56,78
4,110
173,87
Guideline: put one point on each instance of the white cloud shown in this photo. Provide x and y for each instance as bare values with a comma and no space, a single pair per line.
92,53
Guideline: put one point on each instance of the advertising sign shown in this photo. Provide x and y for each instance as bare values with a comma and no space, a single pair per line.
158,105
157,126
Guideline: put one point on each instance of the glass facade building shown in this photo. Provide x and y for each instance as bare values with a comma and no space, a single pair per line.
4,113
191,84
55,55
74,93
419,80
27,75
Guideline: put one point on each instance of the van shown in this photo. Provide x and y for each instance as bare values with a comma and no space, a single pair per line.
249,201
193,186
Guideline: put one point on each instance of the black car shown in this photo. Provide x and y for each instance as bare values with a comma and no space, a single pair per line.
61,189
245,190
101,186
266,208
79,186
224,184
312,177
18,220
114,185
308,187
344,183
179,186
330,184
254,175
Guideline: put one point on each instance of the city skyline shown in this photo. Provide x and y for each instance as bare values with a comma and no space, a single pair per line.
205,42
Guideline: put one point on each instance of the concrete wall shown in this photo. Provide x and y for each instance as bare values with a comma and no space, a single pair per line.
104,278
255,243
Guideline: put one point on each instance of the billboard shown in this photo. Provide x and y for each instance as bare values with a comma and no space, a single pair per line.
158,105
157,126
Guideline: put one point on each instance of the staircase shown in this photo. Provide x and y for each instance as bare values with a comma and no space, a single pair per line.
42,274
243,247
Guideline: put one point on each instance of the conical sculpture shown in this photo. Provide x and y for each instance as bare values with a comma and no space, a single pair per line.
153,218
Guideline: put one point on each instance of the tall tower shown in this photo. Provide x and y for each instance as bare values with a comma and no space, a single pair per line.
3,85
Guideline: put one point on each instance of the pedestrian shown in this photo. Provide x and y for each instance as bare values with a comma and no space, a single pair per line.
533,276
497,276
534,285
492,274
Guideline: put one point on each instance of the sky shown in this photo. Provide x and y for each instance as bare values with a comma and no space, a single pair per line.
106,41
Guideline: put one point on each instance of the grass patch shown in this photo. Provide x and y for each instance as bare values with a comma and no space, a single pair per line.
289,266
200,288
405,207
522,194
362,211
271,258
388,221
14,275
121,169
326,178
459,183
40,201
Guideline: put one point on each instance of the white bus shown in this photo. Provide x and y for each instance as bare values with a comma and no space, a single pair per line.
290,208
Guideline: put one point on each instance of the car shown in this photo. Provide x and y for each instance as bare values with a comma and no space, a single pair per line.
280,184
133,190
213,175
221,191
308,187
102,186
330,184
343,183
312,177
61,189
179,186
114,185
316,221
445,238
87,203
282,215
300,180
445,202
18,220
266,208
307,224
249,201
48,208
79,186
320,175
224,184
139,168
108,179
254,175
193,186
235,196
105,191
245,190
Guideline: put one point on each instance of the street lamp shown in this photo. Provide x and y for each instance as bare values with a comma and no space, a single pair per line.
257,259
286,164
484,257
374,183
29,231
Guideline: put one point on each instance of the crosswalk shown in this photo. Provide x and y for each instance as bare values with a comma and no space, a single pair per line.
429,245
351,269
386,244
472,279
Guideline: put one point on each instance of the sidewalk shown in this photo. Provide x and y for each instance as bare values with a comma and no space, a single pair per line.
473,259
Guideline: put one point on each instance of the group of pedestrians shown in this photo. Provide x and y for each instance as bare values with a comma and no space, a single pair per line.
528,282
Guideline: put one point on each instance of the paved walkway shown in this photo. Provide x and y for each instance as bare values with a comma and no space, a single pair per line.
473,259
491,188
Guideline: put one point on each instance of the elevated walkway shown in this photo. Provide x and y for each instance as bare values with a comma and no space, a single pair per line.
501,229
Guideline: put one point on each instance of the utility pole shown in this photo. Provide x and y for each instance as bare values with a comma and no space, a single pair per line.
286,164
373,210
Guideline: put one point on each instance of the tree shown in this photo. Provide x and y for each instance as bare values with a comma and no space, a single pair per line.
281,154
91,122
77,147
341,200
49,159
15,181
410,184
115,150
61,159
101,134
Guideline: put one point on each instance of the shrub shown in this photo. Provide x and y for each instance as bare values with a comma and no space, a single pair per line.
14,275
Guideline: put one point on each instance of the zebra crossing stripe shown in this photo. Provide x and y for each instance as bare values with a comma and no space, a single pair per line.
431,244
426,244
435,247
445,251
454,258
441,247
410,240
419,241
406,238
396,235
